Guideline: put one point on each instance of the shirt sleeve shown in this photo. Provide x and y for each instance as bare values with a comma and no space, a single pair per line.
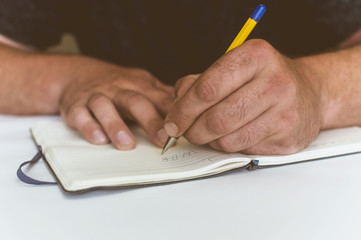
35,23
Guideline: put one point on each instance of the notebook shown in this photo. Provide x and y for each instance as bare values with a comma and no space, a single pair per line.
80,166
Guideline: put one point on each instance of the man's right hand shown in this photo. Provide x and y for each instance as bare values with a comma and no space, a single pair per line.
100,97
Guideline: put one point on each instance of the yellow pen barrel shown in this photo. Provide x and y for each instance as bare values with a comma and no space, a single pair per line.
243,34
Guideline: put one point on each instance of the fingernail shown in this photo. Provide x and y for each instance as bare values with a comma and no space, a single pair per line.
162,135
171,129
123,138
99,137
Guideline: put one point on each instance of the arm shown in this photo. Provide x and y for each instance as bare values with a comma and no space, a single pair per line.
258,101
93,96
25,88
336,78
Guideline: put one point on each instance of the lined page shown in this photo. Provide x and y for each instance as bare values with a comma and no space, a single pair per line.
79,164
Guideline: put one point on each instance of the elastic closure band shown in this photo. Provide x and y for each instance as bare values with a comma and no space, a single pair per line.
29,180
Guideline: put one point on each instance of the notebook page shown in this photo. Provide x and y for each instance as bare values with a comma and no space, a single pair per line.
79,164
333,142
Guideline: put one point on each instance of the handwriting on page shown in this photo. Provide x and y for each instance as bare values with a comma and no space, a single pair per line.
179,156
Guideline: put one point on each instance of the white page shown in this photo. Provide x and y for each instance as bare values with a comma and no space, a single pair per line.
79,164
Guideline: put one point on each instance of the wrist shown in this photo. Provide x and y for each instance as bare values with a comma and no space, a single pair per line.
51,75
334,77
314,72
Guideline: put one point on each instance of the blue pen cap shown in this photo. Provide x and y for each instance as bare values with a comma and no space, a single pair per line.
258,13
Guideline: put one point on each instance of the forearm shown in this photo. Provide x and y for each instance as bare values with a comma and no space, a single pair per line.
32,83
336,78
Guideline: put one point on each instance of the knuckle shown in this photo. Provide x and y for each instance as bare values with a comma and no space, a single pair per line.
262,50
206,91
137,104
134,98
261,46
97,100
216,123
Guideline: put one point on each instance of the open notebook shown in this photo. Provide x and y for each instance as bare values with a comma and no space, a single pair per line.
79,165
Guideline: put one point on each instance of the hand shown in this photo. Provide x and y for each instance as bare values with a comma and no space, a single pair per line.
102,96
253,100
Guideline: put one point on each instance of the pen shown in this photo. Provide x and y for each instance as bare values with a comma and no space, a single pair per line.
240,38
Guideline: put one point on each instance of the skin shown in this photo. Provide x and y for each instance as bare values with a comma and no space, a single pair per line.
257,101
94,97
253,99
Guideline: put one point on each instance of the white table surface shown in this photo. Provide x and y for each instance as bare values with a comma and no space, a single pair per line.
315,200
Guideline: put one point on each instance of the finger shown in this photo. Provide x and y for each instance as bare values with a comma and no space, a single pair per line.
167,88
161,95
183,85
227,74
280,143
271,146
235,111
108,116
161,99
249,135
79,117
144,112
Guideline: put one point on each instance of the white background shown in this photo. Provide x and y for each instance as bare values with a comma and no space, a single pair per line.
315,200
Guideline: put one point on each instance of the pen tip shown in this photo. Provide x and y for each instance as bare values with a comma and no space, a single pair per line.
164,150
